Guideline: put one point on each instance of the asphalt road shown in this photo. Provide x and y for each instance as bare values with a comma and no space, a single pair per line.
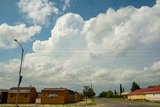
102,102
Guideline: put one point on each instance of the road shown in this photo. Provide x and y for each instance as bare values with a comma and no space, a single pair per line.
102,102
94,103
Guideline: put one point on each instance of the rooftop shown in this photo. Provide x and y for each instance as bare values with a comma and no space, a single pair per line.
4,90
21,88
154,89
54,89
58,89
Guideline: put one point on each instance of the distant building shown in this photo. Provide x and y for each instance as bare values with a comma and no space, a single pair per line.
78,97
152,94
25,95
124,94
57,96
3,95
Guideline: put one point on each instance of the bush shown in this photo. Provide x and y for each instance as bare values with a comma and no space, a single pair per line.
89,93
108,94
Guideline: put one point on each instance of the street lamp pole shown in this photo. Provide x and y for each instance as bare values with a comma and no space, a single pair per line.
20,69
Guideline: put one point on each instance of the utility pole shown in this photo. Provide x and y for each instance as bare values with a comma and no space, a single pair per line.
20,69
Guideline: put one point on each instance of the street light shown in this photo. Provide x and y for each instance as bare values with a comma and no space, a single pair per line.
20,69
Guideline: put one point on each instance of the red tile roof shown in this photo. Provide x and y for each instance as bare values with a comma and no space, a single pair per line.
146,90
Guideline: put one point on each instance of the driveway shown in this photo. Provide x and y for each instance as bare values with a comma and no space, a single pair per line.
106,102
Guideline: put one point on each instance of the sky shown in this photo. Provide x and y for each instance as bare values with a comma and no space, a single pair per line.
72,43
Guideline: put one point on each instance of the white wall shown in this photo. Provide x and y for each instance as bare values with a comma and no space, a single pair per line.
153,97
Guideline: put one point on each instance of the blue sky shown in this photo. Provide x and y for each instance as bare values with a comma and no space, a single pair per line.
111,37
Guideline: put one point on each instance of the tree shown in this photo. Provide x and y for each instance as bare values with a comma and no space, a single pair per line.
120,89
103,94
123,89
135,86
115,92
108,94
89,93
151,86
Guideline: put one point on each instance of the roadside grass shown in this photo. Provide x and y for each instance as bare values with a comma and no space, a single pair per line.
118,98
147,101
136,100
85,103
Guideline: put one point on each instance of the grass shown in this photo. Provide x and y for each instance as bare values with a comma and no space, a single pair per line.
85,103
118,98
136,100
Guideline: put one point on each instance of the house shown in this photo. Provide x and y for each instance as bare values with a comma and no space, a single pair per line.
124,94
25,95
3,95
152,94
78,97
57,96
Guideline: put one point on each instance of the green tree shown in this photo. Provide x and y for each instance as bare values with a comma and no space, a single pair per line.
108,94
85,93
135,86
120,90
123,89
103,94
115,92
89,93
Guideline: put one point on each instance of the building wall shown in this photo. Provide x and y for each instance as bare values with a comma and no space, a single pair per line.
3,97
136,97
57,97
22,97
153,97
78,97
70,98
33,95
53,97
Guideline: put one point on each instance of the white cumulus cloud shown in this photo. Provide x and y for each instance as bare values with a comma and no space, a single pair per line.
66,4
37,11
66,58
20,32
